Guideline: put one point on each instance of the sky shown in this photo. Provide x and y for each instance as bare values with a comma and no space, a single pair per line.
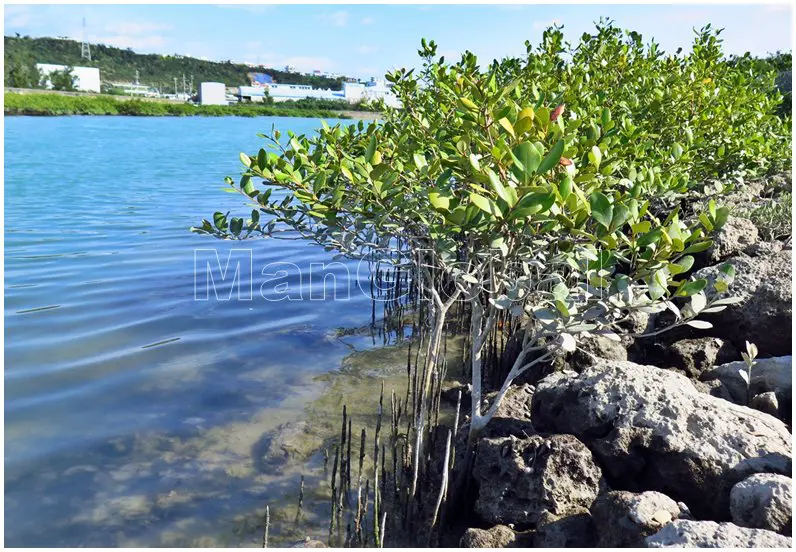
368,40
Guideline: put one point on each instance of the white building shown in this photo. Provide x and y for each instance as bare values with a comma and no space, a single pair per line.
213,93
352,92
87,78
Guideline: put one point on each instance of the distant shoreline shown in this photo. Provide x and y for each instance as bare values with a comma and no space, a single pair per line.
54,104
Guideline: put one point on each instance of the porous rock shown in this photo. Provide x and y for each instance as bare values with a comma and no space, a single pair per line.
763,501
519,479
709,534
624,519
765,314
768,375
513,416
571,531
766,402
694,356
732,238
596,347
498,536
652,430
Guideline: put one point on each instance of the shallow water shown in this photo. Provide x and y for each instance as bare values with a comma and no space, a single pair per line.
133,412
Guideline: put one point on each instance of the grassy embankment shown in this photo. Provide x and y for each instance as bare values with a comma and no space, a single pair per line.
57,104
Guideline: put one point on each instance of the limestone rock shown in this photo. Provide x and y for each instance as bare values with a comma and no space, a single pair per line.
694,356
763,501
768,375
498,536
736,235
765,315
571,531
709,534
513,416
596,347
520,479
624,519
766,402
652,430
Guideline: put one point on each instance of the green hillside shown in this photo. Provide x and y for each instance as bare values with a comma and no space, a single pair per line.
117,64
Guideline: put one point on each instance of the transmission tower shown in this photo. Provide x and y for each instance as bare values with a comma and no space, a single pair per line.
85,48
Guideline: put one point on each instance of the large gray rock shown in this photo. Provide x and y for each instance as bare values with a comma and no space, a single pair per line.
736,235
624,519
765,315
521,479
652,430
766,402
709,534
768,375
498,536
763,501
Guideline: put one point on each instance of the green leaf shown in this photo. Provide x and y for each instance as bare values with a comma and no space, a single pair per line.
502,192
507,125
371,149
486,205
247,186
552,158
601,209
245,159
529,157
439,202
677,150
420,160
474,163
595,157
690,288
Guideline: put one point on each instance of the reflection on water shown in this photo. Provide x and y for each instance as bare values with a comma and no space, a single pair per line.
135,415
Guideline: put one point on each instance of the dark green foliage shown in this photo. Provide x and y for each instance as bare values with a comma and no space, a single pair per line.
59,104
63,80
117,64
20,71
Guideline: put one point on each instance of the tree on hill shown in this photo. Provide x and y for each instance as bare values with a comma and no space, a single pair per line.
118,64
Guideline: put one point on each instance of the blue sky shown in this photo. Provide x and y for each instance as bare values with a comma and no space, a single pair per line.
367,40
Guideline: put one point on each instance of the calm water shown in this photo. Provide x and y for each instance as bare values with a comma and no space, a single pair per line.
130,407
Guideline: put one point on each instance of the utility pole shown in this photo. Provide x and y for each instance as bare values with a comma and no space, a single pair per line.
175,86
85,49
136,77
190,89
183,85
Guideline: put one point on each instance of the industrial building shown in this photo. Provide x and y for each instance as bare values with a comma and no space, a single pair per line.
213,93
87,79
352,92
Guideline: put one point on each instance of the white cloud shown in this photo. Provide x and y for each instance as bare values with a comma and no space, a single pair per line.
337,19
367,21
365,49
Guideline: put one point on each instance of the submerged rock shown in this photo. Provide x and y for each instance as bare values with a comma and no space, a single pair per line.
763,501
624,519
765,315
289,441
521,479
652,430
709,534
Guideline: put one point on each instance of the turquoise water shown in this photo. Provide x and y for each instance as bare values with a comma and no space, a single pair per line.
131,407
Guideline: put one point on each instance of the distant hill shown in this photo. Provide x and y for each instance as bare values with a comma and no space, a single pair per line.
118,64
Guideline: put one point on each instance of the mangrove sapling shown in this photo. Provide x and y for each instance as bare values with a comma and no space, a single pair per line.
749,357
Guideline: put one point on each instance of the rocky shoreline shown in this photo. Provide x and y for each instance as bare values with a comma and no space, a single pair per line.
654,441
